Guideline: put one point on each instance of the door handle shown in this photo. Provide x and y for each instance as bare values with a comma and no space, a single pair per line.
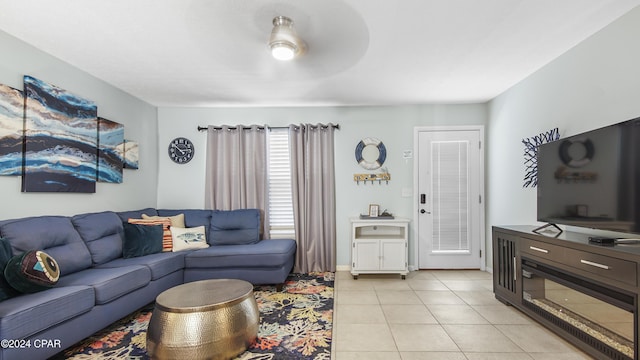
422,211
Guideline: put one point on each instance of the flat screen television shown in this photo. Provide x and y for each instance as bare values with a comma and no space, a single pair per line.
592,179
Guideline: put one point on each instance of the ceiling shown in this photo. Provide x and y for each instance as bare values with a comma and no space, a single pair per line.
360,52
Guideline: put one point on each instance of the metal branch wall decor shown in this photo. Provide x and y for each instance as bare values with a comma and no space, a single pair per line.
531,155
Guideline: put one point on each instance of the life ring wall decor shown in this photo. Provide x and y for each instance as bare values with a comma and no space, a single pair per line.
566,158
368,162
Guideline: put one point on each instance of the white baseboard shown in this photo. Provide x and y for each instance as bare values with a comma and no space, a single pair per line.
411,268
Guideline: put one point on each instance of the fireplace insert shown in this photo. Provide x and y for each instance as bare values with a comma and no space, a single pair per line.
598,315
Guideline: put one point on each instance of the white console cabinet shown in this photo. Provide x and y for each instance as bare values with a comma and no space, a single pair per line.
379,246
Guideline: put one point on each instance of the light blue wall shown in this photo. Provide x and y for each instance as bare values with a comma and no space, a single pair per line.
139,118
183,185
596,83
159,182
592,85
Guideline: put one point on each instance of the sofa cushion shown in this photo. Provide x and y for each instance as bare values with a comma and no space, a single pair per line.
192,217
160,264
235,227
6,291
110,283
136,214
53,234
32,271
28,314
102,232
189,238
141,239
266,253
176,220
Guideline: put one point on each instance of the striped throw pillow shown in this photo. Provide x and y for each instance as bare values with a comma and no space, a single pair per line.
176,221
167,241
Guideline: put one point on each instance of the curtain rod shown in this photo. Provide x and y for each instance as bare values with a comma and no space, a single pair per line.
203,128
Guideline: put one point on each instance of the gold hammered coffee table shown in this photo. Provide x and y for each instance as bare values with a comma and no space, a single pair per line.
208,319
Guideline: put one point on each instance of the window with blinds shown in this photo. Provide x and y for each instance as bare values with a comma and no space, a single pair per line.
279,175
450,196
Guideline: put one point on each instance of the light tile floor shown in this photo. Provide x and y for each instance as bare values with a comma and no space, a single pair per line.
442,314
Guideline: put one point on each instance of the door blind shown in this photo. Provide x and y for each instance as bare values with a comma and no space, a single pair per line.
450,199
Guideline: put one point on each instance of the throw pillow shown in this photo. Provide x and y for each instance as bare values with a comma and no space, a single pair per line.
6,253
189,238
140,240
177,220
32,271
166,224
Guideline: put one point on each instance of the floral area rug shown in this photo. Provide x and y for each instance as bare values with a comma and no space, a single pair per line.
295,323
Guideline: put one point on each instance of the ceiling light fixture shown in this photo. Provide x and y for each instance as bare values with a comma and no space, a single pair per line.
284,42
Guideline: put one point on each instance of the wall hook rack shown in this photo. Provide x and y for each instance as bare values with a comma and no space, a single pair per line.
372,177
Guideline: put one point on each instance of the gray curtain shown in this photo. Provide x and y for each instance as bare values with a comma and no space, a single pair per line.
236,170
313,188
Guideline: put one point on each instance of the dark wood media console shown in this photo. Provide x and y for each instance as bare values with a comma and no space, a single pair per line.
586,293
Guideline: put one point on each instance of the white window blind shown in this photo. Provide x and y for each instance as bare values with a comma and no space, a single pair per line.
279,174
450,196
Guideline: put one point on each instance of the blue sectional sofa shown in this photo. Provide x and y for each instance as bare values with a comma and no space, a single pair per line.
97,286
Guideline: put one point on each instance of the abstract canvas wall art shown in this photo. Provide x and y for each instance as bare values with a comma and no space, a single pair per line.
61,140
130,154
110,151
11,130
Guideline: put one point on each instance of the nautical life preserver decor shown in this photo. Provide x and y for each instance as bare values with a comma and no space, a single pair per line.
370,153
587,149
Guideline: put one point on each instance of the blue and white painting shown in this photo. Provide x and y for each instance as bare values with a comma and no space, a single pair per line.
110,151
131,155
61,140
11,130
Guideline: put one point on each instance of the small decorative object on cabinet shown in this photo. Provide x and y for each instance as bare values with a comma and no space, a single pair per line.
379,246
373,210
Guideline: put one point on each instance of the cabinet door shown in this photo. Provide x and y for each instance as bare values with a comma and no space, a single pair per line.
393,255
366,255
506,265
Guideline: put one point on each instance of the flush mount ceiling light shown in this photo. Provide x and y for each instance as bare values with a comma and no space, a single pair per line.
284,42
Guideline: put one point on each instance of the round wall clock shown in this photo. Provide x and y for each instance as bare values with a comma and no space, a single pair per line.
181,150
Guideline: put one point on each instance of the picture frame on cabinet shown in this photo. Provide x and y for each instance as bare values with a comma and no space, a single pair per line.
374,210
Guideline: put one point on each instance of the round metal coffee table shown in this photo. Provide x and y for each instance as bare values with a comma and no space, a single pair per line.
208,319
